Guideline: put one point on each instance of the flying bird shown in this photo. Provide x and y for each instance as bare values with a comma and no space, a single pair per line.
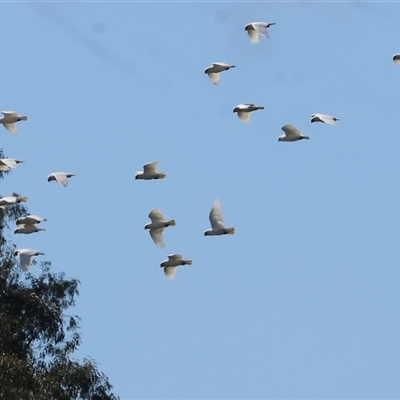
8,163
10,200
170,265
217,222
257,28
30,219
25,257
150,172
396,58
60,177
243,111
9,119
157,225
27,228
214,70
291,134
327,119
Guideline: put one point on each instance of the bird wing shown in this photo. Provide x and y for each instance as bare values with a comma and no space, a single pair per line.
150,168
156,235
155,215
244,116
214,77
253,35
175,257
61,179
9,113
25,260
261,28
291,131
170,272
11,128
216,219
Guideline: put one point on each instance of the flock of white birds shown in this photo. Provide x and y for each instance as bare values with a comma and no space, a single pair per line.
28,223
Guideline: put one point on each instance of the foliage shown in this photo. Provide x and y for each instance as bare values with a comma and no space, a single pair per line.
37,338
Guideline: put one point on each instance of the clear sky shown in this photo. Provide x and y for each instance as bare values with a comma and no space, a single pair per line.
303,301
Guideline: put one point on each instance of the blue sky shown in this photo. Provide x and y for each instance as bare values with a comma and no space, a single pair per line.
303,301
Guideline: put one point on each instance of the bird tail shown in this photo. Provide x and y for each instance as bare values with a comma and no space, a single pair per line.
188,262
305,137
161,175
230,231
23,118
24,199
171,223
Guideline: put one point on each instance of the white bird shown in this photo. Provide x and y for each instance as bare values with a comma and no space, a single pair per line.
60,177
217,222
170,265
327,119
9,200
291,134
396,58
9,119
213,71
30,219
25,257
157,225
257,28
243,111
8,163
150,172
27,228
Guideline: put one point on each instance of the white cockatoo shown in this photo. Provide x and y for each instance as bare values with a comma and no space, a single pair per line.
10,200
291,134
150,172
327,119
217,222
60,177
396,58
30,219
257,28
27,228
9,119
243,111
157,225
170,265
213,71
25,257
8,163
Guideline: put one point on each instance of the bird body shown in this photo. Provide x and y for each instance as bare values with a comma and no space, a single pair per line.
257,28
10,200
243,111
292,134
25,257
150,172
174,261
8,163
327,119
217,222
9,119
60,177
396,58
27,228
30,219
213,71
157,225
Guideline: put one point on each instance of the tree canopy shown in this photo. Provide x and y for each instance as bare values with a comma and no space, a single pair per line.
37,337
